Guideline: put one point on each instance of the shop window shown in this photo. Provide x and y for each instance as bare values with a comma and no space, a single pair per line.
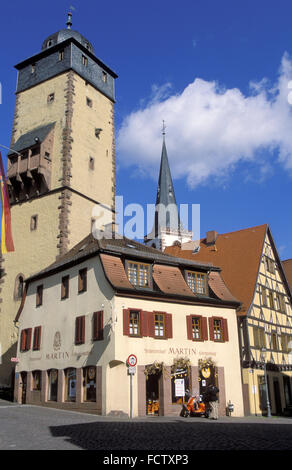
82,280
197,282
25,339
36,380
139,274
65,287
218,329
180,383
89,383
97,326
80,330
37,338
53,385
70,384
39,295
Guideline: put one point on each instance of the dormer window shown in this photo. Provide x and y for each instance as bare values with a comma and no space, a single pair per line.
197,282
139,274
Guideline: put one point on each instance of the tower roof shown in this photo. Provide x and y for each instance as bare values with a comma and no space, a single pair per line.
62,35
165,199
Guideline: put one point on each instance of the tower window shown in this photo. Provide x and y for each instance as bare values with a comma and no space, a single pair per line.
89,102
49,43
33,222
84,60
91,163
51,97
39,295
61,54
33,68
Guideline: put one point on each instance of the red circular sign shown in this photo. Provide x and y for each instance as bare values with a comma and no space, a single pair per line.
132,360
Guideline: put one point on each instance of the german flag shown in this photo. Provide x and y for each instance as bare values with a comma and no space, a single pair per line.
6,232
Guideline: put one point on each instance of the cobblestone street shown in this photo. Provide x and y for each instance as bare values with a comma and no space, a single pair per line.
27,427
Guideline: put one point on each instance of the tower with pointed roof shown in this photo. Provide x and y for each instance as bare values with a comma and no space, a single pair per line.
61,164
167,228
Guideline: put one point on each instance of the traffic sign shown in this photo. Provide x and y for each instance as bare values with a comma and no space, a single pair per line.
132,360
132,370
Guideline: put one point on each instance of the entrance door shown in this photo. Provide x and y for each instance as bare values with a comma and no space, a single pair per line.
207,376
152,394
53,385
277,397
24,385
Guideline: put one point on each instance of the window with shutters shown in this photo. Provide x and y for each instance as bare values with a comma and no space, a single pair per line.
37,338
197,282
82,280
25,339
134,323
138,323
97,326
197,329
159,325
39,295
218,329
80,330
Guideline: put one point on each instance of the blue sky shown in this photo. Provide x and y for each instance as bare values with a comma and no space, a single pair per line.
217,72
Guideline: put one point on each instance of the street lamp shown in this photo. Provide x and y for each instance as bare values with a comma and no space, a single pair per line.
264,352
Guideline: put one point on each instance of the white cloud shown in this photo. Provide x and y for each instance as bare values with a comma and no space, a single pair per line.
210,129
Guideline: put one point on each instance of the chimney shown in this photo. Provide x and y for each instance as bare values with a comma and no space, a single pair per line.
211,237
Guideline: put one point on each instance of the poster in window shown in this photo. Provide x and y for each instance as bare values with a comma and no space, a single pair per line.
179,387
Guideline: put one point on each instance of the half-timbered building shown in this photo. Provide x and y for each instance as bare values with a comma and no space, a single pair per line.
252,270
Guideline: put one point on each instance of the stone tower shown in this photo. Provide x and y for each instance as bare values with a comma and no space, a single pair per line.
60,166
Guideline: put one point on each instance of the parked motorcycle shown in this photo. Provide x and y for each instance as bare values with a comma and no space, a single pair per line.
195,407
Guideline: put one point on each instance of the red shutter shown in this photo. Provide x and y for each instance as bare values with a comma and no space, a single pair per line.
144,323
22,340
204,329
98,326
189,327
225,330
126,322
28,339
83,329
151,327
37,338
80,330
211,328
168,325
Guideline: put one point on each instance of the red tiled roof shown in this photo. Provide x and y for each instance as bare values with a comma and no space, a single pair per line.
238,254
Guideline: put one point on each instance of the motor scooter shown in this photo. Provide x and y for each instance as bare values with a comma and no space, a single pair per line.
195,407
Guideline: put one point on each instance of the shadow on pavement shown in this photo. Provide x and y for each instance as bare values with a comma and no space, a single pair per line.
176,436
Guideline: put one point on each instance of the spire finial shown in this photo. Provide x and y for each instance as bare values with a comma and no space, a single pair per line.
163,127
69,21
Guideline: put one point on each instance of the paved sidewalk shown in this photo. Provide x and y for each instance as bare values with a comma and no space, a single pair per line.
29,427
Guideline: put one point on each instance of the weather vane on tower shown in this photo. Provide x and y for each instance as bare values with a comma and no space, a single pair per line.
69,21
